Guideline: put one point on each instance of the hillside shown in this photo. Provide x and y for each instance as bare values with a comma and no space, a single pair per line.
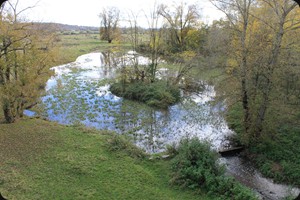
65,27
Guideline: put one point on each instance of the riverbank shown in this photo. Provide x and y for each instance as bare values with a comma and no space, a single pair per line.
45,160
276,156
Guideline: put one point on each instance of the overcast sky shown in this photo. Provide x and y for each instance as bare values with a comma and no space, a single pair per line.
85,12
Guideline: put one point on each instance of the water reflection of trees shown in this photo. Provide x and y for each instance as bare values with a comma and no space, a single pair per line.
108,58
145,125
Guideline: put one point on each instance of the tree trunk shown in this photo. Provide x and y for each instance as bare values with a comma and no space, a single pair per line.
272,64
1,77
245,104
9,117
244,69
261,115
12,110
1,2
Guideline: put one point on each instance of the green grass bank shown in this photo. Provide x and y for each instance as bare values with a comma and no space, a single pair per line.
44,160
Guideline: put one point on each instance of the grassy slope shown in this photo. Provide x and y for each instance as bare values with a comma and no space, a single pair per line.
44,160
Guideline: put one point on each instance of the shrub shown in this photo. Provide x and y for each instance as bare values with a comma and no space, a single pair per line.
277,154
279,157
158,94
196,166
171,149
194,162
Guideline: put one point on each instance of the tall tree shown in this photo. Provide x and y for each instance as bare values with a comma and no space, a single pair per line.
238,15
281,9
133,35
155,40
109,23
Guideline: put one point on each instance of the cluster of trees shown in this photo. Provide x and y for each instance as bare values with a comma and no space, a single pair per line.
26,53
256,45
262,61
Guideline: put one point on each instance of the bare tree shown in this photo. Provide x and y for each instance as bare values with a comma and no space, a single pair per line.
109,23
133,29
155,37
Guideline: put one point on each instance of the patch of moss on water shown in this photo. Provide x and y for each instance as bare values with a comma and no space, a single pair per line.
159,94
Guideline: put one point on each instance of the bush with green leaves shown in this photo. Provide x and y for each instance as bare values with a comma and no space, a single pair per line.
277,154
158,94
195,165
279,157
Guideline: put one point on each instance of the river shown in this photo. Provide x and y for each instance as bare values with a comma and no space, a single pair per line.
79,94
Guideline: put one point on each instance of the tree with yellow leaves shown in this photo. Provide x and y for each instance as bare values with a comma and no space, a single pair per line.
255,56
26,54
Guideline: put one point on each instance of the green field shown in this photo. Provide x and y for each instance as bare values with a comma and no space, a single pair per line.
73,45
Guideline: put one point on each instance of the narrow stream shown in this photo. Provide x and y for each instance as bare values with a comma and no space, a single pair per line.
245,173
79,93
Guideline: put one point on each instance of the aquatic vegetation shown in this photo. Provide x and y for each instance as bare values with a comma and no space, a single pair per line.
158,94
